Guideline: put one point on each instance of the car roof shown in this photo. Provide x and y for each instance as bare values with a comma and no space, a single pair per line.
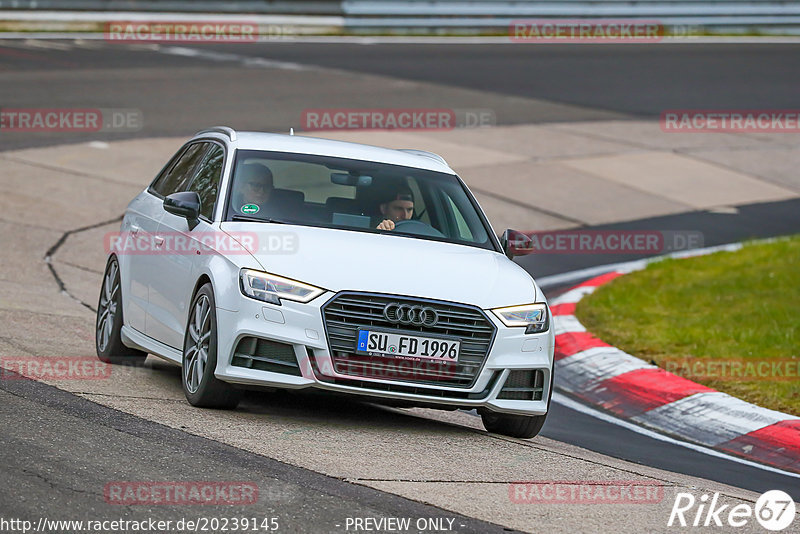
327,147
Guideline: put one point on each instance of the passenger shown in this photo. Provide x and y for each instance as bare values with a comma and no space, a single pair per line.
255,187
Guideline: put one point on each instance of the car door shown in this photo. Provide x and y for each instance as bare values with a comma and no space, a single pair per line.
153,263
171,291
139,226
138,230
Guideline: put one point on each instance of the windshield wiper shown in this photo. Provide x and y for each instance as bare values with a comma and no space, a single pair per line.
258,219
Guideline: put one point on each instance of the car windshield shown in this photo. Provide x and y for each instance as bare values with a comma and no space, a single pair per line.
354,195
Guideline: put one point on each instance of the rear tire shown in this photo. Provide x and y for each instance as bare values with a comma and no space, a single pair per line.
201,387
108,325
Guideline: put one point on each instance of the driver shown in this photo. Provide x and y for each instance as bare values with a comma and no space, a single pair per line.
397,207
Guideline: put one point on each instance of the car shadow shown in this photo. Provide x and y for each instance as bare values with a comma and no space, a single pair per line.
317,407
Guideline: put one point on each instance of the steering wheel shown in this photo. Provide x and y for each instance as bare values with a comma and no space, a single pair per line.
410,226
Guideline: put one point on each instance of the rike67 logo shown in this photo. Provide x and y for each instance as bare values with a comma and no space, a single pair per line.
774,510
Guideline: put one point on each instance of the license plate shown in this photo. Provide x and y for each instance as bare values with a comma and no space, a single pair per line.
403,346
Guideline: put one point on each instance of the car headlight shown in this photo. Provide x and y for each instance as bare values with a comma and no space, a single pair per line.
532,316
272,288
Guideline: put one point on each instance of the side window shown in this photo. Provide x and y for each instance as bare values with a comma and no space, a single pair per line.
461,218
461,224
206,180
178,177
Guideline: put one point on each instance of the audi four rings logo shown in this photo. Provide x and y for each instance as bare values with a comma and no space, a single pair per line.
406,314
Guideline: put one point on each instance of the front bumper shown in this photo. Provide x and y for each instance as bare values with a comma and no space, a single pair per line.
302,327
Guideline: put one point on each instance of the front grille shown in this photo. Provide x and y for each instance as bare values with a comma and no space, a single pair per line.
523,385
346,313
266,355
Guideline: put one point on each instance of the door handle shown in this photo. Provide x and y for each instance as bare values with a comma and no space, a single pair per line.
158,240
134,229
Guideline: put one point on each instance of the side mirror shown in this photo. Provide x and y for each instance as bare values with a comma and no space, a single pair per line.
184,204
515,243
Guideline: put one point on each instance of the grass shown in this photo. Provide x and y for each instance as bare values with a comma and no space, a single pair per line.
697,317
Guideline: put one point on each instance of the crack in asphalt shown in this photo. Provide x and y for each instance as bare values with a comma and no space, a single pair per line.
48,258
50,483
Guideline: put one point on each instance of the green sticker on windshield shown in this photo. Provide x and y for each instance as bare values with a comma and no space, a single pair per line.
250,208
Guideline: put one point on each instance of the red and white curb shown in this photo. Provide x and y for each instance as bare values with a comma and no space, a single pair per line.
631,389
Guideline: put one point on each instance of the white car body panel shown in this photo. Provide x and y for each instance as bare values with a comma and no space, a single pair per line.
142,218
381,263
171,285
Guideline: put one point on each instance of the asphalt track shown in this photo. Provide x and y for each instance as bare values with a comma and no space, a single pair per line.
638,80
85,444
180,94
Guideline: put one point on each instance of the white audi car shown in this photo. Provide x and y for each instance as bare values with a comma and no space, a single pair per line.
258,259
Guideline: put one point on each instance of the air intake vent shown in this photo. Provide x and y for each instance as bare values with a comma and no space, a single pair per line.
523,385
265,355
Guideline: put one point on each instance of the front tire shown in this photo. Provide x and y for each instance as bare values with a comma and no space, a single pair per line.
201,387
108,326
519,426
516,426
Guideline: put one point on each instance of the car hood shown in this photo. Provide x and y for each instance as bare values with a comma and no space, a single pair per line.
382,263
